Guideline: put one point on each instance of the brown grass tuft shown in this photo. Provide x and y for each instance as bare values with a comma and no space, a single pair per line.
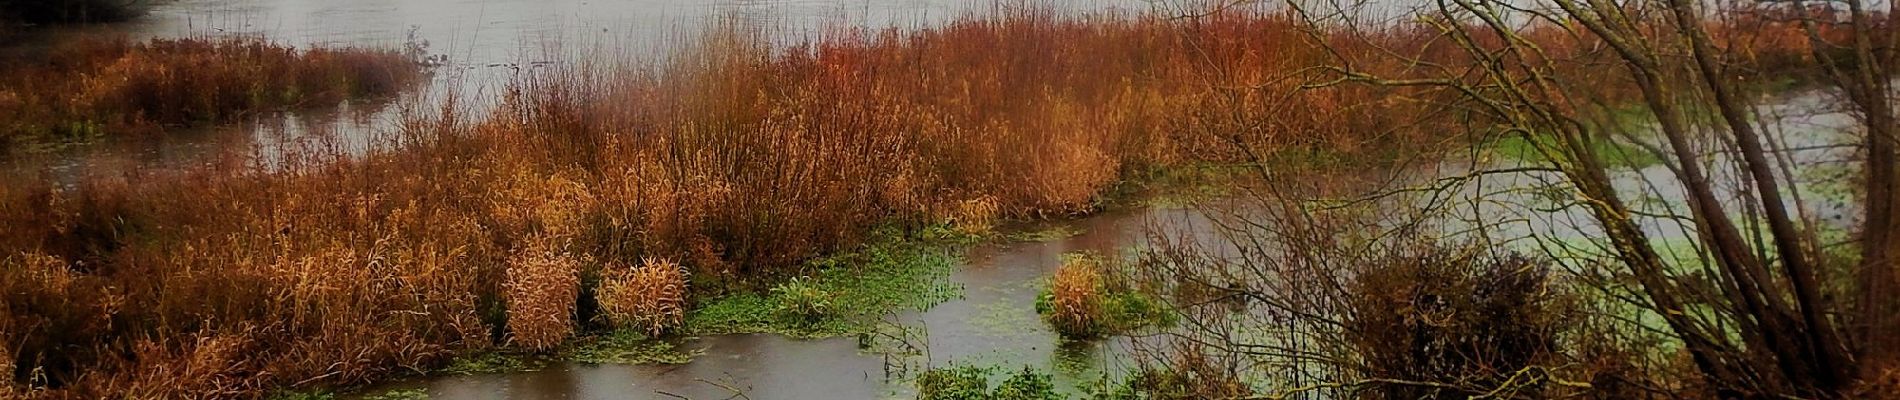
543,284
651,297
1075,303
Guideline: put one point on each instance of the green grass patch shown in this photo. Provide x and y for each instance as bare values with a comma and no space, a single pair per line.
848,293
1046,234
395,394
401,394
1614,151
627,346
1114,305
1123,311
300,395
489,362
975,383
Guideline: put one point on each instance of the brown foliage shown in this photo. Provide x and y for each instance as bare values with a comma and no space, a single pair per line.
1442,316
1190,374
543,282
651,297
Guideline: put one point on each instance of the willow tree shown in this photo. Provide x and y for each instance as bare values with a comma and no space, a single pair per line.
1857,48
1768,312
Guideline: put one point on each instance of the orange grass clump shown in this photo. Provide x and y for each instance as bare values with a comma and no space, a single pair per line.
1075,298
543,283
651,297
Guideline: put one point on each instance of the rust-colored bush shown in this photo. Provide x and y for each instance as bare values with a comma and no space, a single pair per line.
651,297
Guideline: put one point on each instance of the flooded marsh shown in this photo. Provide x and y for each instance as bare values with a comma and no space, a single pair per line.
945,200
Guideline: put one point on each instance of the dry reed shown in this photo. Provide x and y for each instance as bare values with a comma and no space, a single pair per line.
650,298
1075,303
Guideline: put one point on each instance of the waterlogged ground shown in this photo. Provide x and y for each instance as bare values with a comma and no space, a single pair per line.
991,323
990,320
477,47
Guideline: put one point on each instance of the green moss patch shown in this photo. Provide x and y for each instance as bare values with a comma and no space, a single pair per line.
627,347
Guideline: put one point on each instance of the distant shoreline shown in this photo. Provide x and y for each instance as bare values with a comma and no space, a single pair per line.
19,14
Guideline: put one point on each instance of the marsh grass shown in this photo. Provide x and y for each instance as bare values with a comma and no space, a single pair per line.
744,162
1088,299
650,298
91,89
541,289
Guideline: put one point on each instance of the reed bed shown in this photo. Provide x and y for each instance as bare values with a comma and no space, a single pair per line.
91,89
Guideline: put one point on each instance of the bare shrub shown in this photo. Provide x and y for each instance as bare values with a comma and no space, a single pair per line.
1444,323
1188,374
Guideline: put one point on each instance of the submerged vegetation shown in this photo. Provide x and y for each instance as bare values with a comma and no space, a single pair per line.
847,293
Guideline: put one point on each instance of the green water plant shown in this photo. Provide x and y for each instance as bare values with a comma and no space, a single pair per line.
847,294
973,383
802,301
